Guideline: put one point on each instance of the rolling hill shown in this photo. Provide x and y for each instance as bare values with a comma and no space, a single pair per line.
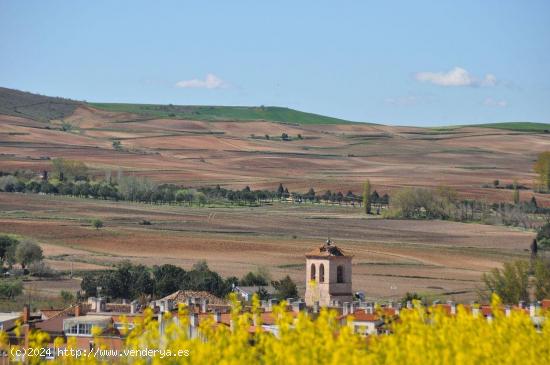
221,113
37,107
239,146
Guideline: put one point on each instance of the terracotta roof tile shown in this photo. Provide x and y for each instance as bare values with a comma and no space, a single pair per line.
181,296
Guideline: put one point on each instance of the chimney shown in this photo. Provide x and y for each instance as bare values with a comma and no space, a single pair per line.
271,303
298,306
507,311
204,305
194,320
453,307
316,307
26,313
133,307
92,302
100,305
162,324
345,308
77,310
217,316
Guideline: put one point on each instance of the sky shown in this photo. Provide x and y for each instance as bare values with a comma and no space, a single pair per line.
422,63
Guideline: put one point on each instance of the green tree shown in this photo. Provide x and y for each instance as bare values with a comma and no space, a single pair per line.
367,196
516,196
168,279
10,289
541,273
67,297
185,195
7,244
27,252
97,223
69,169
286,288
542,169
410,297
117,145
510,283
261,277
200,198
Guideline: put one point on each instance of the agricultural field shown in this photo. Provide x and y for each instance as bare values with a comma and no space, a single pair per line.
235,147
391,257
340,156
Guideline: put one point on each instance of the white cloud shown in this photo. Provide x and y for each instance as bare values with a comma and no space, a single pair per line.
455,77
211,81
495,103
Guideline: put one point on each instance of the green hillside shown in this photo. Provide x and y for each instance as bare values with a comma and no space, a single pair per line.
518,126
219,113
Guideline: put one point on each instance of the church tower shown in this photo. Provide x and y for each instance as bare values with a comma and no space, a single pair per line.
328,275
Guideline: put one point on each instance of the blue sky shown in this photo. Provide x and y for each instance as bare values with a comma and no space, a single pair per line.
396,62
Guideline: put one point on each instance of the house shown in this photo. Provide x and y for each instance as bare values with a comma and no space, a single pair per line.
7,320
246,292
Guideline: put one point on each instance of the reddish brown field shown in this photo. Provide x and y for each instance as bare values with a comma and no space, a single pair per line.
235,154
391,257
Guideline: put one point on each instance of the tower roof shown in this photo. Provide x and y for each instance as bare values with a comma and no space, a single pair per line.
328,249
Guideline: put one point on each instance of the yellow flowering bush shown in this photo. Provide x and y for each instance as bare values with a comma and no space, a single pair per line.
418,337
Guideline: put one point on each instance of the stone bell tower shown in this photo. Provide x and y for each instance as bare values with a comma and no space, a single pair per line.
328,275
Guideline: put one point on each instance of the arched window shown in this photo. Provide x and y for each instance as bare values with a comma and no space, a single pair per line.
312,271
322,273
340,274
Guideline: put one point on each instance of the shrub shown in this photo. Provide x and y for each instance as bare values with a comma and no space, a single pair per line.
97,223
8,183
10,288
41,269
67,296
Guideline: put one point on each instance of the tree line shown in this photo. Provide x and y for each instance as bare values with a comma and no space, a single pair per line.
73,178
131,281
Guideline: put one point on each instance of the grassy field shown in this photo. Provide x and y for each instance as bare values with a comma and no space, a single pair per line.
519,126
391,257
224,113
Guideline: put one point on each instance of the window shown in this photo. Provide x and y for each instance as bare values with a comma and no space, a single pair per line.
322,273
313,273
84,328
340,274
